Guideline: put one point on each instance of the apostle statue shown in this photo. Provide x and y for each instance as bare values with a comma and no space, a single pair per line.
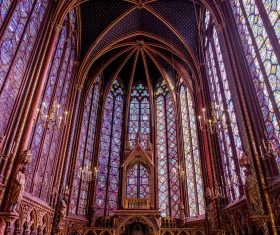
62,213
18,182
17,188
250,184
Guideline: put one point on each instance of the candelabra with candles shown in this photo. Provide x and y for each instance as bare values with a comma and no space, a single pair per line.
86,174
56,118
215,122
270,149
214,193
182,174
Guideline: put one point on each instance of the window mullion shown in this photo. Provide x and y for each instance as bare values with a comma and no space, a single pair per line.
191,150
167,156
85,148
270,92
8,17
269,29
110,152
222,132
235,157
42,140
17,47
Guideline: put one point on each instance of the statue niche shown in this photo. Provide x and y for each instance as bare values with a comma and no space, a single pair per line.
138,186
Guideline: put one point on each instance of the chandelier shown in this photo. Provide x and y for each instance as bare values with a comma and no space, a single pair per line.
182,174
56,118
216,122
86,174
269,149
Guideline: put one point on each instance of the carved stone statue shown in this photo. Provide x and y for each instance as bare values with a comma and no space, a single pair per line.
210,215
250,184
66,193
18,182
182,212
251,190
210,208
62,213
17,188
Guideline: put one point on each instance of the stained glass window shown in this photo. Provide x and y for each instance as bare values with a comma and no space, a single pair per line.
16,46
138,183
227,128
262,60
272,8
168,180
191,152
72,137
4,9
85,153
107,186
139,118
47,135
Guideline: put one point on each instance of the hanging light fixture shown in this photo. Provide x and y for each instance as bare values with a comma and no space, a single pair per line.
86,174
217,121
56,118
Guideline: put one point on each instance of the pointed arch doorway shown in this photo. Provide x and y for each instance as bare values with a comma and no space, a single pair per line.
136,229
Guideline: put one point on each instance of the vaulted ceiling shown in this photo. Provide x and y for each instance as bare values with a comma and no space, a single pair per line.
139,39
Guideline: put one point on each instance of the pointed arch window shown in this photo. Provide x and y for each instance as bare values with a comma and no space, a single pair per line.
16,47
80,187
167,158
227,131
107,187
195,195
45,142
258,24
139,116
138,183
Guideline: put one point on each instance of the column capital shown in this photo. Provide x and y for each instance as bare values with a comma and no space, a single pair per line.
57,27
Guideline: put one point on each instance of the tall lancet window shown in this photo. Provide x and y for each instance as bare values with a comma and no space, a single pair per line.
86,150
138,183
195,196
48,131
167,159
139,116
19,32
258,25
107,186
227,129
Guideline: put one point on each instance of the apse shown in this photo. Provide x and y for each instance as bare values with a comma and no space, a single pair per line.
139,117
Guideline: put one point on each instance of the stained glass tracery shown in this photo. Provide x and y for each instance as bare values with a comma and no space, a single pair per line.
16,46
191,153
261,57
138,183
107,186
46,140
86,150
139,121
168,182
4,9
228,134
